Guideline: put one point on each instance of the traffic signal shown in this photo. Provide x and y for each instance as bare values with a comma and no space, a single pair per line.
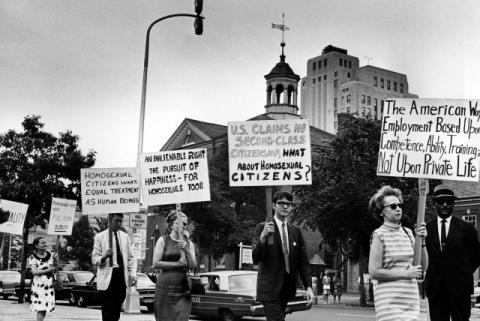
198,24
198,7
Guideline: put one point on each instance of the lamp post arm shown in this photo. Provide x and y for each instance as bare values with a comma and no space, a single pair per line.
144,82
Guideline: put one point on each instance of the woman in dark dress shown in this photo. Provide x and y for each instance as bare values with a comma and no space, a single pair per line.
173,257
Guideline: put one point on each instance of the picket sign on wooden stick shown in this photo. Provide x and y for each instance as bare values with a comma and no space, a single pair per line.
422,199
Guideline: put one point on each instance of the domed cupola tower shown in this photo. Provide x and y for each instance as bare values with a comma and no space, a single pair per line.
282,90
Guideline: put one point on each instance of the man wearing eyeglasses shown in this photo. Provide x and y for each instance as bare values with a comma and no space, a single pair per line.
454,254
279,250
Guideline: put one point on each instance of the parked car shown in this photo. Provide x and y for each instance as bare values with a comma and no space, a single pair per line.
69,280
88,294
230,295
8,281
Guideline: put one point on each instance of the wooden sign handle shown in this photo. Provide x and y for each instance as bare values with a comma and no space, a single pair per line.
422,199
178,233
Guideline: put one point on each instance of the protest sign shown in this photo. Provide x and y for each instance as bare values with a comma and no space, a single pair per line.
269,152
171,177
61,216
137,245
430,138
110,190
12,217
138,220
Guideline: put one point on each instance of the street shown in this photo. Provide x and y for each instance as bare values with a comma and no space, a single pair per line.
11,310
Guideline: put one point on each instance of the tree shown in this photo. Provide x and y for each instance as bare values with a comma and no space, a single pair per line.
36,165
81,243
344,179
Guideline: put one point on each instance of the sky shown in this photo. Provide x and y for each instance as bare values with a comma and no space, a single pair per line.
79,63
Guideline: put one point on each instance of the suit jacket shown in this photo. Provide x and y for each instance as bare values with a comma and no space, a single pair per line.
457,262
271,263
104,270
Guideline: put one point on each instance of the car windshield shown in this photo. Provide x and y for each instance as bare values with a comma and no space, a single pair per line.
246,282
10,276
83,277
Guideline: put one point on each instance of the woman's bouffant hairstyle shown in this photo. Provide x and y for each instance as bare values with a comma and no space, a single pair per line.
171,218
36,241
375,205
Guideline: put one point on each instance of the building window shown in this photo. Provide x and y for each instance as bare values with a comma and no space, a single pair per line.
313,80
363,111
314,65
348,98
335,102
329,259
319,78
363,99
375,102
343,100
375,82
335,73
349,64
388,84
340,61
325,62
382,83
471,218
335,83
348,75
324,77
369,100
394,86
401,88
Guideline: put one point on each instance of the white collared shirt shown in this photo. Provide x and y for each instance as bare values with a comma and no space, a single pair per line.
279,225
447,227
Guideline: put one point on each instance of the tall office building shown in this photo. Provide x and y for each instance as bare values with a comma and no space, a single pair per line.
335,83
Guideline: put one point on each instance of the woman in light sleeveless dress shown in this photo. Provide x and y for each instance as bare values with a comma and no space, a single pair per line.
394,277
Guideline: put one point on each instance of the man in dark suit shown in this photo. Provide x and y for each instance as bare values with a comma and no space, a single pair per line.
279,250
453,255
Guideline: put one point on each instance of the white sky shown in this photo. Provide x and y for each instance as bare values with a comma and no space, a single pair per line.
79,63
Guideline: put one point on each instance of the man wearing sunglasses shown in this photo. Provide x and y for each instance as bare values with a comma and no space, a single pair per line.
280,260
454,255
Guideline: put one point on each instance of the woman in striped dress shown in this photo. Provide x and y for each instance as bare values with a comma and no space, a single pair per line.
395,288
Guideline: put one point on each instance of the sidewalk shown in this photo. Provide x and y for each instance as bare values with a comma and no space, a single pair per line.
12,310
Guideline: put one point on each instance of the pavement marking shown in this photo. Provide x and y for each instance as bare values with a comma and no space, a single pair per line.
357,315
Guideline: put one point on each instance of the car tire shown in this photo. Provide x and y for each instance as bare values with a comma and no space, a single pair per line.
81,302
150,307
71,299
227,315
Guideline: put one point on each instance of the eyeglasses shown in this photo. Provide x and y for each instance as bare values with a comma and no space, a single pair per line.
444,201
394,206
284,204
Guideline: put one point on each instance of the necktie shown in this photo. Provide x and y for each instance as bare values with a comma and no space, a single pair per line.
285,249
443,235
119,252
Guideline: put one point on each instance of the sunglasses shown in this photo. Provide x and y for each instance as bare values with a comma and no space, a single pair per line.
394,206
284,204
443,201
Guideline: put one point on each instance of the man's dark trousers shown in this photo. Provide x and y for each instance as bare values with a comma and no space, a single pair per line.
445,304
113,297
275,310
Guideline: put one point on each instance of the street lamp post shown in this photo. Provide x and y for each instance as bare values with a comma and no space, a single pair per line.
198,30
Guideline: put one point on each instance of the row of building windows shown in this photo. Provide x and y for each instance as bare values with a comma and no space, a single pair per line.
324,63
389,83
